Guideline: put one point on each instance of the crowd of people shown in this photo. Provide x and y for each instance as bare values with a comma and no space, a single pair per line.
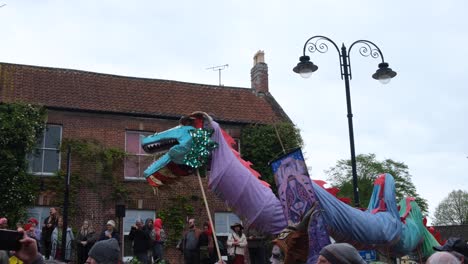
43,242
46,240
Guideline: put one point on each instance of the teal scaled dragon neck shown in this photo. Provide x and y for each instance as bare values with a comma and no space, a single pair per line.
176,141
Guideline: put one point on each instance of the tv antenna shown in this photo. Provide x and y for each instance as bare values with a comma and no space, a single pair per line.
219,69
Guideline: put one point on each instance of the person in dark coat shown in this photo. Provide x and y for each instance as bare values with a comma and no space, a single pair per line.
206,243
190,246
110,232
85,240
50,223
141,241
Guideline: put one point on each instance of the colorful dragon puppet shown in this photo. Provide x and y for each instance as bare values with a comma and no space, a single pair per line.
306,215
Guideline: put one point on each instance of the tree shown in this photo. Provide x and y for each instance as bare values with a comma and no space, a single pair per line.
261,144
453,210
368,169
20,127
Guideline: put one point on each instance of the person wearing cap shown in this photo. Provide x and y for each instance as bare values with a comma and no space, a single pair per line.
457,247
104,252
237,243
339,253
110,232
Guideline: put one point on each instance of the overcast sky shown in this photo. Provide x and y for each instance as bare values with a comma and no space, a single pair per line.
419,118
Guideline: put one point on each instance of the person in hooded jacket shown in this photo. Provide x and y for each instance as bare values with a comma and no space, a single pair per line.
158,237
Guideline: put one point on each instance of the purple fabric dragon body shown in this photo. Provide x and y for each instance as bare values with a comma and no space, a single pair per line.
259,208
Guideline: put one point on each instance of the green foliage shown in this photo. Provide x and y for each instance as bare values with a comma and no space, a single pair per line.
368,168
20,127
453,210
174,217
134,260
260,145
103,160
90,155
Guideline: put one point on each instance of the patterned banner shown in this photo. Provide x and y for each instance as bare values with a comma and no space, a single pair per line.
297,196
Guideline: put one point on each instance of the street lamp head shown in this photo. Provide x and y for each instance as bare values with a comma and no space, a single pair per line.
305,67
384,74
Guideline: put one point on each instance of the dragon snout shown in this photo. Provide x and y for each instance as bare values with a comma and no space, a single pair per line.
160,146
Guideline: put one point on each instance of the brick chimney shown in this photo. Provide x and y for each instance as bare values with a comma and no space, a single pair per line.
259,73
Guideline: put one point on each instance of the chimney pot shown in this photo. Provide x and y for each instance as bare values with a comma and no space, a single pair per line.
259,57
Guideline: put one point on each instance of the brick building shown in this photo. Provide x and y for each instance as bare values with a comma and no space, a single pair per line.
115,111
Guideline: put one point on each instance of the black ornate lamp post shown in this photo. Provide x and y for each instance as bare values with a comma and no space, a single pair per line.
384,74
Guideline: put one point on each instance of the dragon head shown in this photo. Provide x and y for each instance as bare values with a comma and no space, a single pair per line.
175,145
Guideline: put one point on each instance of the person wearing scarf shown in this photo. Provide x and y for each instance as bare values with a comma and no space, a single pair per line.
57,251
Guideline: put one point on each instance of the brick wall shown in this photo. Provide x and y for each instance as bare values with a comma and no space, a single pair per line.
95,204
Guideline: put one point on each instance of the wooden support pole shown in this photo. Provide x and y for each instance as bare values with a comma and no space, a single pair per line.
209,217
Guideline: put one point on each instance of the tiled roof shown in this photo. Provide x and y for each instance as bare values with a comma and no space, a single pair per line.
89,91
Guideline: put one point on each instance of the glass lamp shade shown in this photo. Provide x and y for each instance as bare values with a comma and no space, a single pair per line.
305,74
385,79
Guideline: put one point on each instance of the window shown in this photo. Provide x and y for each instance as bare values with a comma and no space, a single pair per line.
39,212
235,134
223,222
237,145
136,160
45,158
130,217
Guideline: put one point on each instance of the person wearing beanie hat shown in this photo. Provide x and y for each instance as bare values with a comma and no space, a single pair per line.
339,253
104,252
33,220
110,232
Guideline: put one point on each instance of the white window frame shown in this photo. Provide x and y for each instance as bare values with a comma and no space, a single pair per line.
147,214
43,148
145,133
226,216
